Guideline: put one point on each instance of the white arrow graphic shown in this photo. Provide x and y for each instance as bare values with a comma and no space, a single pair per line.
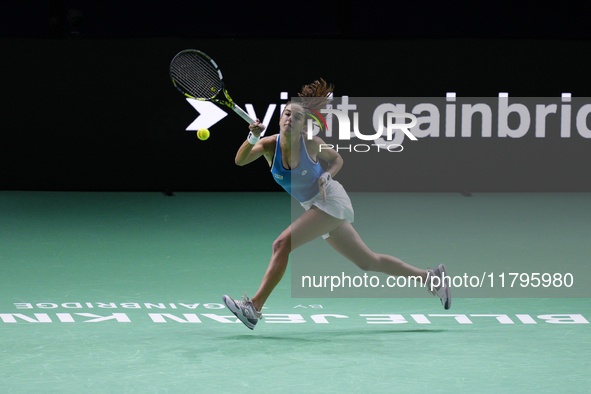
209,114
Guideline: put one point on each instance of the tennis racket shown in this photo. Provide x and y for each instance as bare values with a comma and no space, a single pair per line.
197,76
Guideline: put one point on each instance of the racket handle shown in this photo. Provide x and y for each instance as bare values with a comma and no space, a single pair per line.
243,114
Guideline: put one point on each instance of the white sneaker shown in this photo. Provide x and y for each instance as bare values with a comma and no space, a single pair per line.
443,291
244,310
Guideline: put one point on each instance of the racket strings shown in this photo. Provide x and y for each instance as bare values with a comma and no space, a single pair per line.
196,75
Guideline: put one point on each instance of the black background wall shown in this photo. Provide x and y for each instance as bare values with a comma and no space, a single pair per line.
87,104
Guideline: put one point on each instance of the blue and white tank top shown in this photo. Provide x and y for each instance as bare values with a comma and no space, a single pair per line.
301,182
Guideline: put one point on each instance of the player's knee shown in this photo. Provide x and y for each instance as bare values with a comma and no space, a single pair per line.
365,265
282,244
369,263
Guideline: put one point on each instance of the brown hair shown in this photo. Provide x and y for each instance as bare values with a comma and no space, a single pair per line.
315,97
316,94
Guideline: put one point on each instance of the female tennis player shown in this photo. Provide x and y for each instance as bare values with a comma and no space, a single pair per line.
328,209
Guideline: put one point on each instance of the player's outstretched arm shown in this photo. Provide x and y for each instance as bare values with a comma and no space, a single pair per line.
249,152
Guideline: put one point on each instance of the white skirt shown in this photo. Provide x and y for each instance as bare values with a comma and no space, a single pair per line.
337,203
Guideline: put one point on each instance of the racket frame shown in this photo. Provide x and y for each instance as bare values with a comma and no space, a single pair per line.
228,102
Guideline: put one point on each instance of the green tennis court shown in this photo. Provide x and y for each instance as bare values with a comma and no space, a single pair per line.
121,293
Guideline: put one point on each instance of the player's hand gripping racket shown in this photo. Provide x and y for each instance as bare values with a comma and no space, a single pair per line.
197,76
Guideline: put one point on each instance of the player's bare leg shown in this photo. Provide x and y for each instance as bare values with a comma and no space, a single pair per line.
347,242
311,225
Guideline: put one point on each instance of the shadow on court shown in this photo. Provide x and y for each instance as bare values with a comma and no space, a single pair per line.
327,336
